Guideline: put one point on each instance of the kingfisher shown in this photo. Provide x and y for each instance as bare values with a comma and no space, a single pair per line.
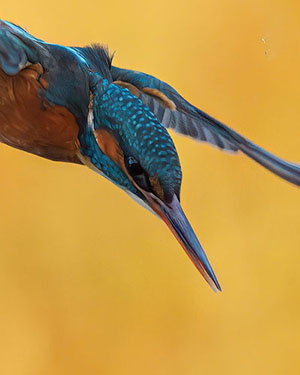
70,104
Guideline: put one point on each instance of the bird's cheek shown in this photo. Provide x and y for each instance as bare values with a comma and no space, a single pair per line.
110,146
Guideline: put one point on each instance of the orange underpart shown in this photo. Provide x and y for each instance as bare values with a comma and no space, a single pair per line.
28,122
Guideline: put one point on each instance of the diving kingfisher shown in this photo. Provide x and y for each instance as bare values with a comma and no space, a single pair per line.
71,104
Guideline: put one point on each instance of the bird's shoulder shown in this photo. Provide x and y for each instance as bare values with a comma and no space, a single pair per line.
29,122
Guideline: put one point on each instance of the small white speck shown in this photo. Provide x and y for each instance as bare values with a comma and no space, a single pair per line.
267,50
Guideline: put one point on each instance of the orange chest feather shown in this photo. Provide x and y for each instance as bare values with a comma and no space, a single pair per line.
29,123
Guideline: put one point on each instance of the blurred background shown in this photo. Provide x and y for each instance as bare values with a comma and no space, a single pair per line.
91,283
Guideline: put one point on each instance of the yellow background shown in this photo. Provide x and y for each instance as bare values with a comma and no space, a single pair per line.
90,283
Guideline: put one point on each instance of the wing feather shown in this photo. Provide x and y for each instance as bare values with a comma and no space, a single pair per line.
176,113
171,109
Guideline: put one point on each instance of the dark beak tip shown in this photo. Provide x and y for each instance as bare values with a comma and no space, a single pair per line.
213,281
176,220
209,276
218,286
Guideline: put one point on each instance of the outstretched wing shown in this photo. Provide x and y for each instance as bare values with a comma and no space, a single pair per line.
171,109
178,114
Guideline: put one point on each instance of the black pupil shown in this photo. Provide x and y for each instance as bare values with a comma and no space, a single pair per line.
134,167
137,173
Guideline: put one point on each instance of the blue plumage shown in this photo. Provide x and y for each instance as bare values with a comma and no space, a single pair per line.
138,133
84,110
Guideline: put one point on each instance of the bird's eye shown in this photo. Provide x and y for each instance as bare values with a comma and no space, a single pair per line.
137,173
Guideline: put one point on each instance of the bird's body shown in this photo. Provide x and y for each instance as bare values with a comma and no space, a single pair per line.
44,130
70,104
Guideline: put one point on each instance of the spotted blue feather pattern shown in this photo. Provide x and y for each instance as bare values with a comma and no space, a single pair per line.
191,121
138,132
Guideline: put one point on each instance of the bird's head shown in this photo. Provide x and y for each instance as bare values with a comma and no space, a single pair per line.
126,143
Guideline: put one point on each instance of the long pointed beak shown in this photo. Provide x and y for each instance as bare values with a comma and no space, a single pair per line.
173,215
